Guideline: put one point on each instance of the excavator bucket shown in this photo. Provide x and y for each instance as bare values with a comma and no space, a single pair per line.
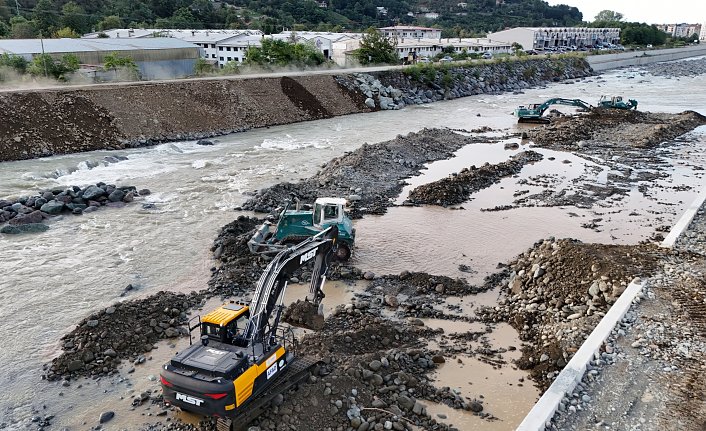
304,314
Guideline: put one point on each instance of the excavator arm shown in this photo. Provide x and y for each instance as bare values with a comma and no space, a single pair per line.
269,293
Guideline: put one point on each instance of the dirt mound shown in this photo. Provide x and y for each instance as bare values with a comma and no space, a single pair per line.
369,176
458,187
606,130
304,314
559,290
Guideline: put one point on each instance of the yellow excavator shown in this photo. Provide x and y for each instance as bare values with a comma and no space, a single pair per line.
245,358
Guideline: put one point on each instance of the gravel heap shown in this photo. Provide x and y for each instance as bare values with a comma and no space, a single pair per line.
603,131
26,213
677,68
124,330
369,176
458,187
559,290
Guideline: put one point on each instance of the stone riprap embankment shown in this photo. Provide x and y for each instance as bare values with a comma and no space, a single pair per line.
678,68
27,213
60,121
431,83
458,187
369,176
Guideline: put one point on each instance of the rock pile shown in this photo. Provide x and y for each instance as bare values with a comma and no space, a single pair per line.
417,85
27,213
559,290
369,176
458,187
678,68
124,330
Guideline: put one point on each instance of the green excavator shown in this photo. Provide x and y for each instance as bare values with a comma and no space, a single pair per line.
533,113
617,102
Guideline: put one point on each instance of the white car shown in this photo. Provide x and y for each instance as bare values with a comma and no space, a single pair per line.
423,60
487,55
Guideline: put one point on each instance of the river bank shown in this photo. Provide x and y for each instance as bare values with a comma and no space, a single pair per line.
168,248
52,122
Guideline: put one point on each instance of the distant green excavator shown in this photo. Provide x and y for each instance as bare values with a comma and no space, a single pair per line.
533,113
617,102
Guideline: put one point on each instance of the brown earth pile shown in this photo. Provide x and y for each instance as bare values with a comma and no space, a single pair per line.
45,122
603,130
559,290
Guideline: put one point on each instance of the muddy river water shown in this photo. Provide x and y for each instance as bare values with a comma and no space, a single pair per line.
50,281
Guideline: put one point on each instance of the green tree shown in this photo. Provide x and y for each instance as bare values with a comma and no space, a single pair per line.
203,67
4,29
110,22
21,28
123,65
376,49
75,17
183,18
45,15
48,66
609,16
66,32
13,61
281,53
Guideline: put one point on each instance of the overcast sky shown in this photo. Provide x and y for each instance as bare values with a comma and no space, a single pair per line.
649,11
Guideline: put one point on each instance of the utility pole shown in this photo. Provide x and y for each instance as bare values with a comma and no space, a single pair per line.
17,5
44,58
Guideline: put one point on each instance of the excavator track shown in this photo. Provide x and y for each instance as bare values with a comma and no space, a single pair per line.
296,372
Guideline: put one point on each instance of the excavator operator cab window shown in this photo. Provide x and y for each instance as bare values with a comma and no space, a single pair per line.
330,212
235,328
213,331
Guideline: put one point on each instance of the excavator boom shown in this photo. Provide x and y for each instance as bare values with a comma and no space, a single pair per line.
533,113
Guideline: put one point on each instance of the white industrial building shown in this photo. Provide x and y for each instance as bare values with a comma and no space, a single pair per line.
218,46
223,46
332,45
156,58
429,48
545,37
402,32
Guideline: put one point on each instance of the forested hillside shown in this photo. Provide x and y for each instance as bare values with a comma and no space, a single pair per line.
63,18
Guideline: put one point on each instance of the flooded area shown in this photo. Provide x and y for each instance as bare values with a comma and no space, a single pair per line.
52,280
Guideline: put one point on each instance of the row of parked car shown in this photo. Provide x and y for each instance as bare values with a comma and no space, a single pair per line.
562,49
447,59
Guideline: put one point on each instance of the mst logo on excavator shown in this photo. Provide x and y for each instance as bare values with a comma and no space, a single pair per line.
187,399
308,255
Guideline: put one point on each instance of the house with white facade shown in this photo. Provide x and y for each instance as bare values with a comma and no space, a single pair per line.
414,48
702,35
332,45
545,37
402,32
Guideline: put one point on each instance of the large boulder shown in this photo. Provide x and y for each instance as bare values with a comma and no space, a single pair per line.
53,207
93,192
33,217
24,228
116,196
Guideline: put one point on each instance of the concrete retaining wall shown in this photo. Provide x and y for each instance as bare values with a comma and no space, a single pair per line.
635,58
